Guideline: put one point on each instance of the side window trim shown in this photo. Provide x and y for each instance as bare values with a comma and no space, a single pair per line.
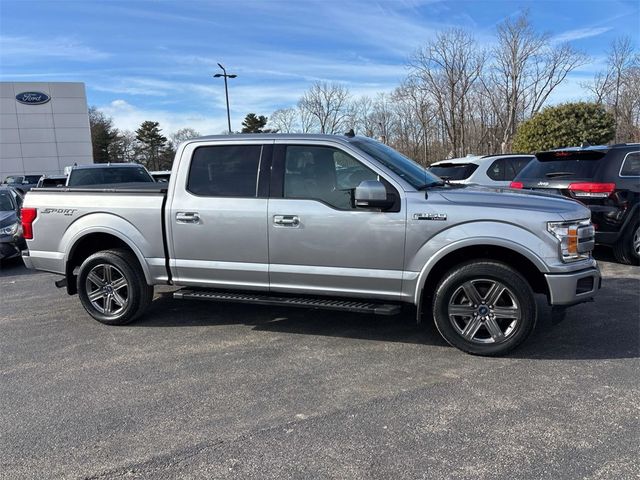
637,152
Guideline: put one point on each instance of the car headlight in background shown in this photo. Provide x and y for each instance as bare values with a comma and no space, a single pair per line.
10,230
577,238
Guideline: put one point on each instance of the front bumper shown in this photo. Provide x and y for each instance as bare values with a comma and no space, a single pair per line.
575,287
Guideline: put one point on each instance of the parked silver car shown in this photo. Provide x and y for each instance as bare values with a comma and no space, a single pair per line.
487,170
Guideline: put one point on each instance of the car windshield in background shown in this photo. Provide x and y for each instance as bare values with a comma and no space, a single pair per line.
412,172
108,175
13,180
562,164
453,171
32,178
6,204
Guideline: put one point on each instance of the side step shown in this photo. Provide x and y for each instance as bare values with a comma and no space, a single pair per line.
301,302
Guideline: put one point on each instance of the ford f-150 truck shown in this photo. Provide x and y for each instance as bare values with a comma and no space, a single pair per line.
317,221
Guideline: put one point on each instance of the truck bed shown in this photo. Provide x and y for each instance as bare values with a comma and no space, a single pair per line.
132,212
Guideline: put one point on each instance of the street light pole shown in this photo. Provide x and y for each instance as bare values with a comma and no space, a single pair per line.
226,91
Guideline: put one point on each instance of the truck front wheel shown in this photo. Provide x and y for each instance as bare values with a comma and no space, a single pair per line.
484,308
112,287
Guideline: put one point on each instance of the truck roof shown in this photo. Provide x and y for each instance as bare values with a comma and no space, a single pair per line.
276,136
106,165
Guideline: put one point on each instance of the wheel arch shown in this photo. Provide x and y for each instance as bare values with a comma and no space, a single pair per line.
92,241
525,262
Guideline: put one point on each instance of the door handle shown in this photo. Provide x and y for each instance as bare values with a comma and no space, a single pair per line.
188,217
286,220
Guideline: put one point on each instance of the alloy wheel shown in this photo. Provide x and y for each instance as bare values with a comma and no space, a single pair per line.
484,311
107,289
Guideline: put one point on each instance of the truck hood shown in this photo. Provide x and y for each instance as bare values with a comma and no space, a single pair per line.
517,200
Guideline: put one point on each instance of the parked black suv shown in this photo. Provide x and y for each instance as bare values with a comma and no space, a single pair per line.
606,179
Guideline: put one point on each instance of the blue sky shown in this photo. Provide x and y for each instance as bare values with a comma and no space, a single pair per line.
144,60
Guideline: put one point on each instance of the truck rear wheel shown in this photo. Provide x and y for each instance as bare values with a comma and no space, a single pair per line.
484,308
112,287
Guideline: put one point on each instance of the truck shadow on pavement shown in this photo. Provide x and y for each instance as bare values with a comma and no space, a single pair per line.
608,328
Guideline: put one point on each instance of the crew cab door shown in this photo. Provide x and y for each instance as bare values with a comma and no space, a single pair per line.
218,216
319,243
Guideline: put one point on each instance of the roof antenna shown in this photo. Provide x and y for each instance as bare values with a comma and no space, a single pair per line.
350,133
585,144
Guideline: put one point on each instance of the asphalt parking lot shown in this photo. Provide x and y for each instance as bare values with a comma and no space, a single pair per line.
205,390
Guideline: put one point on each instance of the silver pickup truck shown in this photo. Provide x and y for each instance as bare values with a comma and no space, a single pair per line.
317,221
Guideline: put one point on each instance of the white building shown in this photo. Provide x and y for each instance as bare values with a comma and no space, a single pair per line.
44,126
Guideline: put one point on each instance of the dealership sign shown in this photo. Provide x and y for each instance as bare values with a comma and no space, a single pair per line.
33,98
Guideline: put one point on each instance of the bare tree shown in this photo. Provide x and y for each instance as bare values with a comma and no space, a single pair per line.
618,88
447,69
183,135
524,70
327,104
123,148
360,117
283,120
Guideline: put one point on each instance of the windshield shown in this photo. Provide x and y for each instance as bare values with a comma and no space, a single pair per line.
13,180
6,204
406,168
453,171
32,178
107,175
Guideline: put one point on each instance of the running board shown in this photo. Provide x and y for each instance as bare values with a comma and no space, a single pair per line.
301,302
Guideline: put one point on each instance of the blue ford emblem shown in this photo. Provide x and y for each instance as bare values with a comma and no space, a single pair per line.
33,98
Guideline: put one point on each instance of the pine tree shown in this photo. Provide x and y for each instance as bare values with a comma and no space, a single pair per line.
152,145
254,124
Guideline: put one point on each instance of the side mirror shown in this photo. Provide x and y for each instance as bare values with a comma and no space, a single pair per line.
372,194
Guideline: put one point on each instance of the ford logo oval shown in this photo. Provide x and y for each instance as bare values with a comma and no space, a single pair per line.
33,98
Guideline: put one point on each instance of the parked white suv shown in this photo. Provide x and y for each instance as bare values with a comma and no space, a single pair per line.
489,170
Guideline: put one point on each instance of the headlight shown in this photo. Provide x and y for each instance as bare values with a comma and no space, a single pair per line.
577,238
10,230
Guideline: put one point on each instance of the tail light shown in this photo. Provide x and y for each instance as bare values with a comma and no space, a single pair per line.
28,215
516,185
592,190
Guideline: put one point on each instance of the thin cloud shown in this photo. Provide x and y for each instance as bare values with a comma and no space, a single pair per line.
23,48
127,116
580,33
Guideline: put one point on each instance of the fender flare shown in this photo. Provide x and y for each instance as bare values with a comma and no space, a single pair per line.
470,242
74,235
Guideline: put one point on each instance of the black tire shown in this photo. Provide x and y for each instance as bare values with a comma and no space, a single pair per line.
626,248
512,311
112,268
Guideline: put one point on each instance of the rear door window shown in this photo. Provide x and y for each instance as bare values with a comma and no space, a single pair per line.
225,171
631,165
515,166
497,170
453,171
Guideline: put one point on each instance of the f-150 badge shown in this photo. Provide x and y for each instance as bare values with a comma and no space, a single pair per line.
430,216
